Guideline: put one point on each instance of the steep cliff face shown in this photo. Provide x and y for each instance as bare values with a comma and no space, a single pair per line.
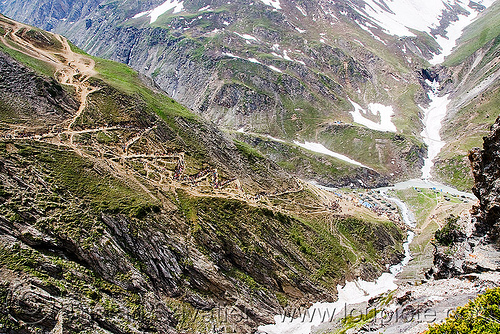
473,246
26,97
485,165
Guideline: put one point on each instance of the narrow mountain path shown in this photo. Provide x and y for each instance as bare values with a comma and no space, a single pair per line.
75,70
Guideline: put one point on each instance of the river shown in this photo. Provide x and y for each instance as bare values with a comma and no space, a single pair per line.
360,291
351,293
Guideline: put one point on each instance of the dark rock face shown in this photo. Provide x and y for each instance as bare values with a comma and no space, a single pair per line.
479,252
27,96
486,170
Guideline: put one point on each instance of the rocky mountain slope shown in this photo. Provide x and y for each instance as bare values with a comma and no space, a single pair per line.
287,72
317,71
466,264
470,81
123,212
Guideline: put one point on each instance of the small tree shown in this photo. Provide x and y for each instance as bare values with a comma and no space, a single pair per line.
450,233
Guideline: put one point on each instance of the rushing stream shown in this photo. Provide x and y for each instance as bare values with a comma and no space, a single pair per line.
352,293
361,291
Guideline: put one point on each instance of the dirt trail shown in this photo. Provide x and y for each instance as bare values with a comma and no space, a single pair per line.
71,68
75,70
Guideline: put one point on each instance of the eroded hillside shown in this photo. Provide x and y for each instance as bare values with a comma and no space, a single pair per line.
122,211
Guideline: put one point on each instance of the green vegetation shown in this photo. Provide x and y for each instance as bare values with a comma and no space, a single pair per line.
450,233
363,145
72,280
127,81
456,171
470,124
476,35
358,321
430,207
39,66
71,173
313,248
43,39
76,49
479,316
252,154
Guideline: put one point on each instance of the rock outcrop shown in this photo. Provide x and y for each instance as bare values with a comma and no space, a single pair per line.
480,251
486,170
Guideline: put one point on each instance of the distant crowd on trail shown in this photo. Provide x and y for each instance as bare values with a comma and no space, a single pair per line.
194,179
334,206
375,204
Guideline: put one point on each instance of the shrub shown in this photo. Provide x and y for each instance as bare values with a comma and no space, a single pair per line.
479,316
450,233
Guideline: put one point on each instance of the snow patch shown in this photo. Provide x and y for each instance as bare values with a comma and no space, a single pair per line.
285,55
319,148
252,60
275,69
276,139
300,30
398,17
365,28
433,118
301,10
247,37
273,3
204,8
385,113
454,31
229,54
176,5
136,16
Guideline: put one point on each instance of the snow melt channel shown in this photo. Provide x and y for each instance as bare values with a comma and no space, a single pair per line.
433,118
352,293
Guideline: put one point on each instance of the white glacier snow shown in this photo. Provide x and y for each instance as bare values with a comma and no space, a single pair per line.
385,113
433,118
453,33
402,15
176,5
319,148
274,3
